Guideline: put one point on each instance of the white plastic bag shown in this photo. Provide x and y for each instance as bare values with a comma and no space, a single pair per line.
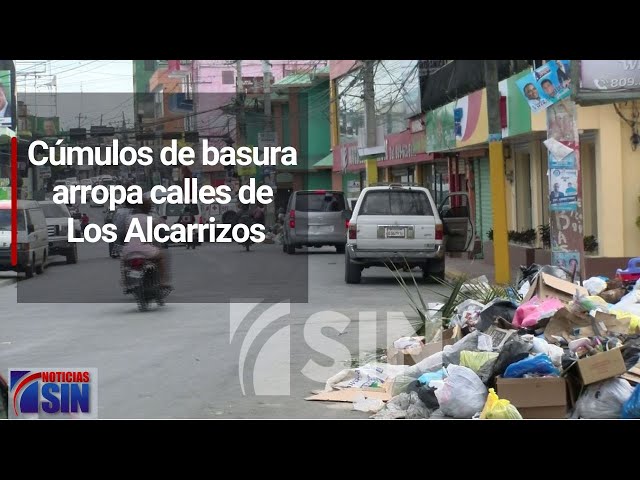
371,405
540,345
462,394
594,285
468,313
603,400
451,353
429,364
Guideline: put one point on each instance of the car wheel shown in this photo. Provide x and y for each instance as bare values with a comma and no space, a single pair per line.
72,256
40,268
352,272
433,273
340,248
290,249
28,270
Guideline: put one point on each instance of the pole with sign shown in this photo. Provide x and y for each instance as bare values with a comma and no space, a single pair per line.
565,188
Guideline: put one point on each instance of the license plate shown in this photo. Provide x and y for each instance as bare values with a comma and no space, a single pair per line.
134,274
321,229
395,232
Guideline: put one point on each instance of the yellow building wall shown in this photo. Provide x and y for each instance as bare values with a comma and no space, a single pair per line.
617,173
630,174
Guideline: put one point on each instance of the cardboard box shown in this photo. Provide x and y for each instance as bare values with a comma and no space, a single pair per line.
548,286
397,357
601,366
542,397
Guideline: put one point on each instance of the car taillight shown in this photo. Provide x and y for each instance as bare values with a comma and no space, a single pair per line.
353,231
292,219
439,231
346,224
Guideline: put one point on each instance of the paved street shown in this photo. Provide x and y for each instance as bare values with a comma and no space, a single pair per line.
178,361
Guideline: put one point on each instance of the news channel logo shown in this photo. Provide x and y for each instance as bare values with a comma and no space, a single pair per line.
53,393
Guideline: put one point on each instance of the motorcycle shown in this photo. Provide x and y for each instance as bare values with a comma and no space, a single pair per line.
4,398
142,279
248,221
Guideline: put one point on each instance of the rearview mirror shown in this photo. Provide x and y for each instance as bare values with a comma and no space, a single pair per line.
30,228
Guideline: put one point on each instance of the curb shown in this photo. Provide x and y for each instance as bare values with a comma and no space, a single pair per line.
4,282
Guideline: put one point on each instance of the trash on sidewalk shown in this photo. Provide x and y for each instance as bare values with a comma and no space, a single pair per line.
561,351
405,405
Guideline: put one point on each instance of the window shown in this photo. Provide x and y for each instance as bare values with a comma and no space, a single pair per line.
228,77
396,203
36,217
320,202
5,220
53,210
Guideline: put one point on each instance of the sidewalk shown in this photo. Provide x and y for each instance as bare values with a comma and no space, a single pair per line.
6,281
472,269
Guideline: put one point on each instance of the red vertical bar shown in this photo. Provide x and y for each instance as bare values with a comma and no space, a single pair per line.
14,201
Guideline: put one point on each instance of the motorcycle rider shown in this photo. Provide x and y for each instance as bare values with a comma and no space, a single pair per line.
146,249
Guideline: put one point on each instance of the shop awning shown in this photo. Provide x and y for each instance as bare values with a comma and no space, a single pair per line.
325,164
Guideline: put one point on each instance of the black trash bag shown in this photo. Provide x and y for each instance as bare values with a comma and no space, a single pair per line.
527,274
428,396
505,309
425,393
631,351
487,372
568,359
513,351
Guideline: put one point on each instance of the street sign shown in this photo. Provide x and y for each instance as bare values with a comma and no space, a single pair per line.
267,139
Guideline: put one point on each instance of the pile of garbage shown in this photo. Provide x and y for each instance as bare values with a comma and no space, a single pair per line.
558,350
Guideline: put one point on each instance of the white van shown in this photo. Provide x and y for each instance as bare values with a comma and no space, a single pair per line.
32,237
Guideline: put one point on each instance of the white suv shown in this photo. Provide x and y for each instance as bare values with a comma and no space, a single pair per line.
400,224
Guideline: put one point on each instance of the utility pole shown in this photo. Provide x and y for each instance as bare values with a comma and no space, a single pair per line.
370,119
241,124
270,212
240,119
80,118
496,170
266,71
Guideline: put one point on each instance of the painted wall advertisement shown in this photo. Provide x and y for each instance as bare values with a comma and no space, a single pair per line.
546,85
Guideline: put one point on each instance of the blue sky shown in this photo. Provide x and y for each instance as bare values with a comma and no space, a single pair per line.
75,75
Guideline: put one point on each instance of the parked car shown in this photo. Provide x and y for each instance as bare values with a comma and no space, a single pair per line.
316,218
57,224
400,224
32,237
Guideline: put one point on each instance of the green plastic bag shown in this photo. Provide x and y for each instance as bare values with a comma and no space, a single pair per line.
475,360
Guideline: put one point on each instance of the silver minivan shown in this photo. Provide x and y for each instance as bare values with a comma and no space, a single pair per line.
316,218
32,237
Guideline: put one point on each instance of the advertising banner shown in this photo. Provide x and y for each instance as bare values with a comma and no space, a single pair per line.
6,99
546,85
607,81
